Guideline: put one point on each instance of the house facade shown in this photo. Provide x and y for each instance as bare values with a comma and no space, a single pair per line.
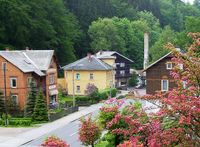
121,64
88,70
158,76
24,67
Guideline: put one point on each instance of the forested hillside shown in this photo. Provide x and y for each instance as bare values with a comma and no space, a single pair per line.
74,27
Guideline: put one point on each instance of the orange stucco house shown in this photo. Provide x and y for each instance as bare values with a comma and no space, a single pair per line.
23,67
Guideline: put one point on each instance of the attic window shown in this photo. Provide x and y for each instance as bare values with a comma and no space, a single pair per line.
169,65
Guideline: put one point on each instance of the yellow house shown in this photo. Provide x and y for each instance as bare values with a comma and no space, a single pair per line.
88,70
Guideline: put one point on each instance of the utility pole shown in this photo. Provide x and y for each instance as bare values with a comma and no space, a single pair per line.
5,93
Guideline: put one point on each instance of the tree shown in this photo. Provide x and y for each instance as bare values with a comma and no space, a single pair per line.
2,105
133,80
30,104
40,111
89,132
158,49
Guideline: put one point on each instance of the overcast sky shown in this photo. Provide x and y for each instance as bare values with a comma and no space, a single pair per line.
190,1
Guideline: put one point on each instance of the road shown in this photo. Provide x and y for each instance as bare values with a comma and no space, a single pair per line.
69,132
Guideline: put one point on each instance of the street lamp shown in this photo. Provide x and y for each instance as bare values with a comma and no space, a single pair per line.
5,94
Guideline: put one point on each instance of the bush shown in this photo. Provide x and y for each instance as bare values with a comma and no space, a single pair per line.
106,93
17,122
133,80
20,122
54,142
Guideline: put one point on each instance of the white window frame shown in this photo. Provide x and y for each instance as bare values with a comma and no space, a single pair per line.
11,82
167,65
3,65
91,76
122,64
78,91
180,66
14,95
122,72
78,76
52,79
29,82
163,85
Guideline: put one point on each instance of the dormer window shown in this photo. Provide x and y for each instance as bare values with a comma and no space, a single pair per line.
169,65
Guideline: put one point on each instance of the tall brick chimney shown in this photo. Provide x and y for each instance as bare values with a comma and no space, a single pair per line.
146,50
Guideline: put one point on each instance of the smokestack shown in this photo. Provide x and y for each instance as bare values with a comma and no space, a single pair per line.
146,50
89,55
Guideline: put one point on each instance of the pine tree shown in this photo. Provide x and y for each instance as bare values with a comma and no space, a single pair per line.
2,106
31,100
40,110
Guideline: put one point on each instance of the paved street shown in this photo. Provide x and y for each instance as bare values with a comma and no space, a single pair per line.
65,128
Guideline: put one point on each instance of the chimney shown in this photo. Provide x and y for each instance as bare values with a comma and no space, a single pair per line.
89,56
27,48
146,50
100,52
7,49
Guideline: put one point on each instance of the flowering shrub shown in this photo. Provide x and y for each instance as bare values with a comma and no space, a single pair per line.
54,142
89,132
90,88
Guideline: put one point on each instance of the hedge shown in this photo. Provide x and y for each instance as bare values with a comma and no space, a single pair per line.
17,122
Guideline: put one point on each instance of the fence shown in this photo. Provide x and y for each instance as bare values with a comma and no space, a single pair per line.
62,113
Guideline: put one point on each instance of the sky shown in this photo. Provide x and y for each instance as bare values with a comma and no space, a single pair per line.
190,1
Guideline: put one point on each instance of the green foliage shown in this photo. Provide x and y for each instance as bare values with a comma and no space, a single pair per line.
158,49
40,110
2,106
30,104
133,80
39,25
104,94
17,122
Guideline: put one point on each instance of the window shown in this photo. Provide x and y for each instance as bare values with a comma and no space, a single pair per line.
184,84
91,76
180,66
164,85
14,99
29,81
51,79
78,89
169,65
122,64
78,77
13,82
4,65
122,72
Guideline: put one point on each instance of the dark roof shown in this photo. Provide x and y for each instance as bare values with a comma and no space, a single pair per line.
158,61
109,54
88,63
29,60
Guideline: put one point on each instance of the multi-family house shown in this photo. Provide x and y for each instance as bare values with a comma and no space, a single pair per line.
121,64
88,70
24,67
158,76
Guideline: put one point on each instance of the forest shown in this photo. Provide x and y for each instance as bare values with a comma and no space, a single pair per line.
75,27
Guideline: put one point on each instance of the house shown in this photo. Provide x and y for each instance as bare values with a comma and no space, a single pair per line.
158,76
121,64
88,70
23,67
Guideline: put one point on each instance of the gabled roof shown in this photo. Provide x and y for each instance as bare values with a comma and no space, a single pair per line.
29,60
88,63
109,54
157,61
